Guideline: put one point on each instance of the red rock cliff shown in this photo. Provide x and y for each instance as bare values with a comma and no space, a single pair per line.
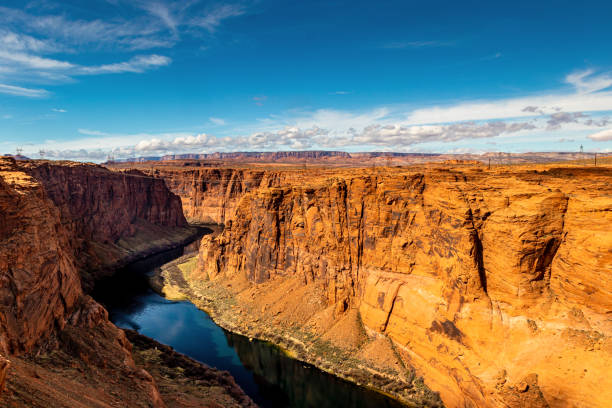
56,221
40,282
110,217
495,285
102,205
210,196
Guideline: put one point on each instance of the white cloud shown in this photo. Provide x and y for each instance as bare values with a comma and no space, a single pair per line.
19,91
22,42
396,135
571,115
137,64
28,41
214,17
181,142
339,121
217,121
586,82
89,132
33,61
603,136
163,12
59,110
589,96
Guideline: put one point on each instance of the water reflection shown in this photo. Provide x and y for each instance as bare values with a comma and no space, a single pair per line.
269,377
303,385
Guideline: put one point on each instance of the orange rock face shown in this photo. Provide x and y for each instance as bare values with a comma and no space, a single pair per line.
56,221
98,207
52,215
40,282
210,196
101,205
495,285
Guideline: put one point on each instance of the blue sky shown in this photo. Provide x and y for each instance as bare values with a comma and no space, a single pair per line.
139,78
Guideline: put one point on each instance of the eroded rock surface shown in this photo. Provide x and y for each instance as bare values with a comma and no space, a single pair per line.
61,225
210,196
496,286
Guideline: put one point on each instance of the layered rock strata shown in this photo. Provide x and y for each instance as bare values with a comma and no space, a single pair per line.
57,220
111,218
495,286
210,196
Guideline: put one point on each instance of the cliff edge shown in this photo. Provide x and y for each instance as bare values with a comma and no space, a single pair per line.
493,285
62,225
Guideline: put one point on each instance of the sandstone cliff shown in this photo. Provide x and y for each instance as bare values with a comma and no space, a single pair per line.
110,217
495,286
58,220
210,196
40,282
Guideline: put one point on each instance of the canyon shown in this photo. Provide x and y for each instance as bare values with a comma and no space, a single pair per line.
64,225
448,284
442,284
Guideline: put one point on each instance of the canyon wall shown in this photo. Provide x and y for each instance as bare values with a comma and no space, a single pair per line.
110,218
101,205
52,214
57,220
40,282
210,196
495,286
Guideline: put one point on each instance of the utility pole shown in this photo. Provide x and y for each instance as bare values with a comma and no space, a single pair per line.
489,163
595,159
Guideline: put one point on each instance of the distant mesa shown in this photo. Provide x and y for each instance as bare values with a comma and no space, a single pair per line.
137,159
17,156
305,154
341,158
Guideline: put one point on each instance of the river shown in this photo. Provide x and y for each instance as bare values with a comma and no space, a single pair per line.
265,373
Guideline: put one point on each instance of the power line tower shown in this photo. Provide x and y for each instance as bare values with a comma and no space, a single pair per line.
581,149
18,151
42,153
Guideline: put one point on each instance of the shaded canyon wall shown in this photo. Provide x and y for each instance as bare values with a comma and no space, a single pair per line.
57,220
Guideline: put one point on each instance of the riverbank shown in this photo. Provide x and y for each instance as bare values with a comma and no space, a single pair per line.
147,240
99,377
182,381
229,307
